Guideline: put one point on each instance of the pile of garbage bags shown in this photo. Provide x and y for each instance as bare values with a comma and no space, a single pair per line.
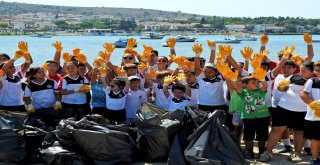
177,137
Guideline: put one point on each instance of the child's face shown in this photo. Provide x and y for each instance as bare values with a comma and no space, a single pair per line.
71,68
11,70
52,68
191,78
209,72
177,93
305,72
317,71
3,59
114,87
82,70
131,72
40,74
134,85
153,57
252,84
288,70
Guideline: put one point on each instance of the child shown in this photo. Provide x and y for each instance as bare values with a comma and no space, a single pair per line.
116,95
134,99
73,91
311,96
52,67
181,93
160,99
42,95
132,70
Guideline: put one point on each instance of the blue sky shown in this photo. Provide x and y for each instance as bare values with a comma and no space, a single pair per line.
241,8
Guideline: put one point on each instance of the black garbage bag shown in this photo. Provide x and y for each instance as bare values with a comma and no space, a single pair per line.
156,131
12,143
211,144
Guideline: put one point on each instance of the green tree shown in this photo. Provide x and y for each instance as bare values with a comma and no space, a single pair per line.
3,25
203,20
291,28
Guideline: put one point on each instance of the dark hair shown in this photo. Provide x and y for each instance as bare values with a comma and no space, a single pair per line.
166,60
51,62
5,55
121,83
246,80
290,63
192,59
178,87
316,64
74,63
308,65
126,67
265,63
33,71
162,74
81,64
155,52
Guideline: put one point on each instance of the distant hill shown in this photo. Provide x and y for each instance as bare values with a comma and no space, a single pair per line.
13,8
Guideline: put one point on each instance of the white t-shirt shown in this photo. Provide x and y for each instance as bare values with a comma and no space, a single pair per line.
160,100
11,92
211,93
312,86
134,101
269,78
291,100
42,95
276,94
194,94
69,83
175,103
115,101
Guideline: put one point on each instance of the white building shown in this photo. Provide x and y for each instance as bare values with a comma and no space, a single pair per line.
268,27
19,26
237,28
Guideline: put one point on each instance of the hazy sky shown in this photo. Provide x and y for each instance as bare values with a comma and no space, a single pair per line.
241,8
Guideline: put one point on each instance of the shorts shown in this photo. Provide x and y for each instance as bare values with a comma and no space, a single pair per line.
78,111
20,108
312,130
211,108
256,129
236,119
116,115
283,117
99,110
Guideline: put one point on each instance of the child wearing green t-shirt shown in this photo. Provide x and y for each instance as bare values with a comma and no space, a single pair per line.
254,113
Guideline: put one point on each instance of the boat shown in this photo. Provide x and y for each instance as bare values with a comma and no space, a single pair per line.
122,43
229,41
152,36
41,35
164,45
247,37
180,38
315,41
97,32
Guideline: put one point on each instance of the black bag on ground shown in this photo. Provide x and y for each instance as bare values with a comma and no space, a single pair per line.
156,131
211,144
12,143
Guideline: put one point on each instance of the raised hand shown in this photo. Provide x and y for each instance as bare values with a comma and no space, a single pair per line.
58,46
288,51
297,59
132,42
27,57
212,45
45,66
81,58
197,49
145,56
66,57
23,46
225,51
182,78
98,62
307,38
168,80
76,51
233,76
171,43
147,48
246,52
105,55
153,74
260,74
103,72
144,66
256,61
18,54
121,73
264,40
109,47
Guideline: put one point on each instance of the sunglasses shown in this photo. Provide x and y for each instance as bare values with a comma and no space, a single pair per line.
162,60
126,58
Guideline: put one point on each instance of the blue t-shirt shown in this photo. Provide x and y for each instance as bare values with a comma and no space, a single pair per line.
98,98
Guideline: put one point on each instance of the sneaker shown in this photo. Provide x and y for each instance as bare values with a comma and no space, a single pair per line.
315,162
294,157
286,149
266,156
249,155
307,151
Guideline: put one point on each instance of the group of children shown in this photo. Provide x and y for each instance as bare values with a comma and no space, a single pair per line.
285,94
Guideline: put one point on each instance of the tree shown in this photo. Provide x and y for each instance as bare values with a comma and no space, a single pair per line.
3,25
249,28
127,24
198,25
203,20
291,28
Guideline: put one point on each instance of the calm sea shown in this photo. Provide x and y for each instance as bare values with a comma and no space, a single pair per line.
41,49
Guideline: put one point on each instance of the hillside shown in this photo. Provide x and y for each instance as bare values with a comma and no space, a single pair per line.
13,8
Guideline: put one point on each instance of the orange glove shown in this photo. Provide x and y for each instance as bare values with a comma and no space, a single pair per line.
171,43
260,74
284,83
153,74
84,89
109,47
57,105
131,51
225,51
81,58
181,61
31,109
246,53
103,72
256,61
27,56
315,106
191,65
66,57
264,40
233,76
222,67
131,43
18,54
145,56
297,59
173,57
58,46
197,49
288,51
23,46
1,73
105,55
76,51
144,66
212,45
45,66
121,73
307,38
147,49
99,62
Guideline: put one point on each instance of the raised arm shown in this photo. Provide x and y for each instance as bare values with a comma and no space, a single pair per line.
278,68
212,46
263,40
57,55
310,52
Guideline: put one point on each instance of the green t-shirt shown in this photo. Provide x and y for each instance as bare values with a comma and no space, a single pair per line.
254,104
236,103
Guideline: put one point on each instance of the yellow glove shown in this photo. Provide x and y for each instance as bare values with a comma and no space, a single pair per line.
45,66
315,106
233,76
23,46
143,66
81,58
57,105
260,74
168,80
225,51
256,61
31,109
297,59
109,47
58,46
131,51
27,57
171,43
182,78
263,54
102,71
288,51
246,52
98,62
145,56
1,73
307,38
105,55
222,67
173,57
66,57
85,88
76,51
264,40
121,73
197,49
284,83
147,49
153,74
212,45
131,43
181,61
18,54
